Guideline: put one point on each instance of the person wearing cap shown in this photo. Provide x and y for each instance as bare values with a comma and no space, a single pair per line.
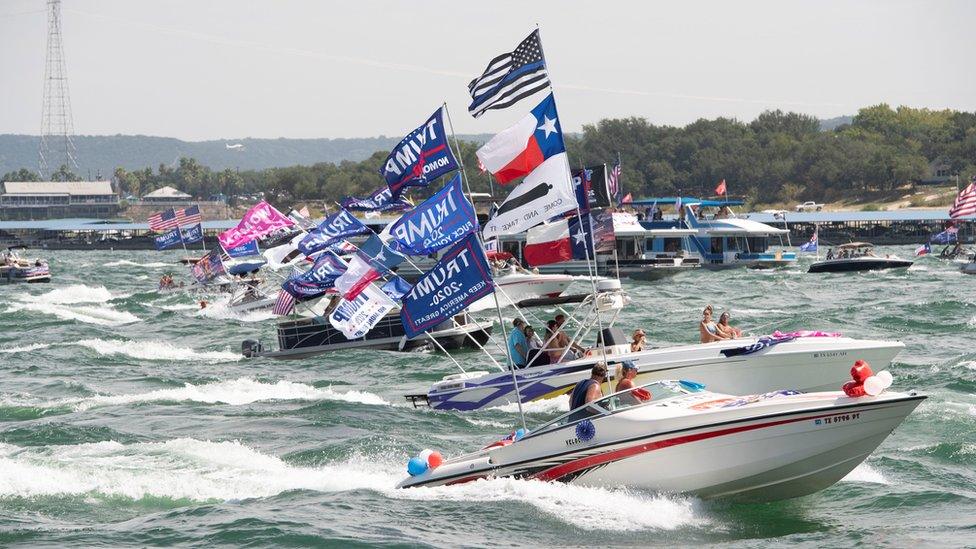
626,373
639,339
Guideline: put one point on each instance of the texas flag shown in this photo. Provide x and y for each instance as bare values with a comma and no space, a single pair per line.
357,276
548,243
520,149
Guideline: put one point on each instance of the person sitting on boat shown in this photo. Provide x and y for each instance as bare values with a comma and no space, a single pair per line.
639,339
729,331
552,343
564,340
518,347
708,329
830,254
626,373
537,354
588,390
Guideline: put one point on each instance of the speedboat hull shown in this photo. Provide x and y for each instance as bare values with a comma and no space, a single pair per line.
858,264
516,287
756,448
805,364
25,275
968,268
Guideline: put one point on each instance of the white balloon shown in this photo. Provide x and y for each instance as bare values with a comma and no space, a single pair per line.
424,454
873,386
886,378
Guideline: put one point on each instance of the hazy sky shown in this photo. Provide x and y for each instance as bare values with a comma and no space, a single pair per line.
244,68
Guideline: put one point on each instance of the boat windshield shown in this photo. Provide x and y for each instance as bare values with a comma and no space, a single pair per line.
611,404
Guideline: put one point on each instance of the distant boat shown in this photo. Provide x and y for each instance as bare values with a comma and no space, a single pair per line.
235,146
857,256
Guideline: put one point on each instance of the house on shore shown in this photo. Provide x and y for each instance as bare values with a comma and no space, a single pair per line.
57,199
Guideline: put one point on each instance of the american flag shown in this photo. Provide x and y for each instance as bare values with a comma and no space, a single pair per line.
965,203
188,216
165,220
285,303
613,181
510,77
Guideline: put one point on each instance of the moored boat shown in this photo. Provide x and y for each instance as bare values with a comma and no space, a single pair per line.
684,439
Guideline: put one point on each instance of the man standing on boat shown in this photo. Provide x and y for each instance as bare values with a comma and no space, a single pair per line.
518,346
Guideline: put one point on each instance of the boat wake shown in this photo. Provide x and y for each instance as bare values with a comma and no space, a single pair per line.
199,470
24,349
865,473
154,350
77,302
547,406
127,263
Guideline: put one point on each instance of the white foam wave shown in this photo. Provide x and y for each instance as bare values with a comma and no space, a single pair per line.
220,309
236,393
580,506
177,307
127,263
547,406
203,470
24,349
155,350
865,473
76,293
89,314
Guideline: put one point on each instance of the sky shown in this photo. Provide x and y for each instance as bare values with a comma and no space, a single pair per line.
224,69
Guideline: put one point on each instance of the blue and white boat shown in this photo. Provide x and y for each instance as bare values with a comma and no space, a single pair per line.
722,240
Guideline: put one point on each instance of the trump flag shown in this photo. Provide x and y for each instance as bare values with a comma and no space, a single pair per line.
421,157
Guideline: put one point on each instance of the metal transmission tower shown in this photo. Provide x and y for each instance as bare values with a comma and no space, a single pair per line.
57,147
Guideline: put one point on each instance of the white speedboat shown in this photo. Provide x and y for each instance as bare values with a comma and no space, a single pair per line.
514,287
805,363
686,440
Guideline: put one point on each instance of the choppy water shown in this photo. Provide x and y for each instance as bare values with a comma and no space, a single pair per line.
129,418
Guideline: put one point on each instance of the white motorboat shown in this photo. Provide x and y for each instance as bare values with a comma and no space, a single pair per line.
516,286
804,363
14,268
687,440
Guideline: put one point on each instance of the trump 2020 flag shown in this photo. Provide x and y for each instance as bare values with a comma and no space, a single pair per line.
325,271
460,278
421,157
545,193
260,220
437,222
396,288
330,231
192,234
244,250
356,317
520,149
380,200
168,239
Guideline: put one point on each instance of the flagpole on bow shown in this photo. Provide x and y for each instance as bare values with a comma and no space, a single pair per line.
494,287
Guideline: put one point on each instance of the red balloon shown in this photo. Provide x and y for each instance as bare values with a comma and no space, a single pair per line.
861,371
435,459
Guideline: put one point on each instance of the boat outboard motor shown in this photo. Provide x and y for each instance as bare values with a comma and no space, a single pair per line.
616,341
251,348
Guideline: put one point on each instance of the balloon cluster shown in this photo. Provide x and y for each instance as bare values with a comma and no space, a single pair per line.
421,463
866,382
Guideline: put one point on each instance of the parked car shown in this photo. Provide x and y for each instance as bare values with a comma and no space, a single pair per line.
809,206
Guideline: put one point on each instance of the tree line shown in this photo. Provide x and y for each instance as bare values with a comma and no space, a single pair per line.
778,157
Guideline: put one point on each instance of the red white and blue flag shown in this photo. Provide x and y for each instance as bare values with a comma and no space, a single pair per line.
165,220
188,216
548,243
965,203
522,148
923,249
812,245
285,303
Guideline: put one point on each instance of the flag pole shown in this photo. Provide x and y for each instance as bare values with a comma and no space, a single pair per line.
599,320
494,287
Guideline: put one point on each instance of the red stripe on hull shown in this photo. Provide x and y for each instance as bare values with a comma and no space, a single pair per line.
559,471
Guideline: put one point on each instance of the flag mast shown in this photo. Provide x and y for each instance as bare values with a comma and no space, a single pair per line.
494,287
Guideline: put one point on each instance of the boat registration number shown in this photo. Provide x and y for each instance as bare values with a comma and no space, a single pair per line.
841,418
